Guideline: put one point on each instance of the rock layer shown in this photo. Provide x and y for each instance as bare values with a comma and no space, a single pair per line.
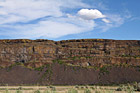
83,61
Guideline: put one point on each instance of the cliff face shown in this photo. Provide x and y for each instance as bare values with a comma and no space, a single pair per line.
26,51
99,52
85,52
95,55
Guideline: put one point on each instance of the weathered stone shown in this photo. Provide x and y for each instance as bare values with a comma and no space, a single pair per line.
80,57
97,51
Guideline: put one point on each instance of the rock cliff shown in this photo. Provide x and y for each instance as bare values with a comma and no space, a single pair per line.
83,61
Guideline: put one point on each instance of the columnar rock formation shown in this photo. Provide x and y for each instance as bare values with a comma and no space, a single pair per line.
83,61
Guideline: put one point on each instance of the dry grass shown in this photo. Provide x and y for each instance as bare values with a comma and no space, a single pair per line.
67,89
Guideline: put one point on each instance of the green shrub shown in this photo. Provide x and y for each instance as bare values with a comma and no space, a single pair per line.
76,86
129,88
97,91
72,91
18,91
7,91
37,91
53,89
60,61
54,61
47,91
39,68
87,91
104,69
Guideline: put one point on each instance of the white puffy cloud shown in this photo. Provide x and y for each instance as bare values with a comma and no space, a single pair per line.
90,14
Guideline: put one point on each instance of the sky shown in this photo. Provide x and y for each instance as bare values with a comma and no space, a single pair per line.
70,19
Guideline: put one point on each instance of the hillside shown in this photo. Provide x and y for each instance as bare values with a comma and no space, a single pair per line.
69,62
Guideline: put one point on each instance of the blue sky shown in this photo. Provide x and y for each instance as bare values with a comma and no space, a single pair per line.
70,19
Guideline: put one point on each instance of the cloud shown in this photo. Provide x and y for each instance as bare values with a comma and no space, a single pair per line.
105,20
51,18
52,29
26,10
40,18
90,14
113,20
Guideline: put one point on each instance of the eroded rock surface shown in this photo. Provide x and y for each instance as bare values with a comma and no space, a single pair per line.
97,59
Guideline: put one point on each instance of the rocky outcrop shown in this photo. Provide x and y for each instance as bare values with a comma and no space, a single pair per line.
97,60
27,51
